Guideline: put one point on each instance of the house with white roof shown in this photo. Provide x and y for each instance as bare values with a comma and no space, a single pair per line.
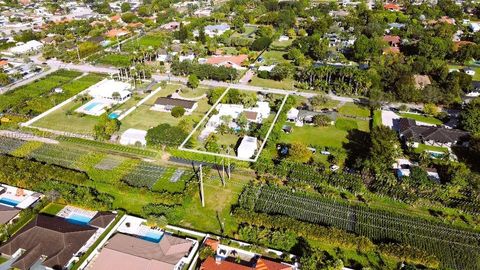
105,94
216,30
247,147
28,47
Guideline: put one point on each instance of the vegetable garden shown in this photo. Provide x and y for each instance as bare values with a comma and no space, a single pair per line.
456,248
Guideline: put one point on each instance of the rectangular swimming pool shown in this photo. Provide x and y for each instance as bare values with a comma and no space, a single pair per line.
9,202
78,219
92,105
154,237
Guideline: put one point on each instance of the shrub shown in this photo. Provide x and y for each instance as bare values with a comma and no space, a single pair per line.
178,111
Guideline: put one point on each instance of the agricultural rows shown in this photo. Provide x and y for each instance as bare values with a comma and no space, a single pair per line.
456,248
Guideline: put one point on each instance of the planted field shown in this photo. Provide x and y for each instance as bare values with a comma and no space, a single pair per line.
117,60
173,180
8,145
144,175
110,147
37,97
455,248
26,148
57,155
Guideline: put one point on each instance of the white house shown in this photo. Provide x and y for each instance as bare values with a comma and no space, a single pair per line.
105,93
108,89
216,30
474,26
133,136
266,68
23,48
261,111
247,147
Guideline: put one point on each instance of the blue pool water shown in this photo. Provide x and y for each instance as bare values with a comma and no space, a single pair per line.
78,219
113,115
9,202
153,237
91,106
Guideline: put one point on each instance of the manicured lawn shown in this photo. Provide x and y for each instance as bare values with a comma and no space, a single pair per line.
287,84
423,147
144,118
377,118
52,209
281,45
346,124
64,119
329,136
273,57
422,118
193,93
355,110
117,60
151,40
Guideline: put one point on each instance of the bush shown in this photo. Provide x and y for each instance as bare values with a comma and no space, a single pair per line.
321,120
261,44
178,111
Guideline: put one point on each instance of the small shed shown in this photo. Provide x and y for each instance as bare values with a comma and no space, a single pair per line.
247,147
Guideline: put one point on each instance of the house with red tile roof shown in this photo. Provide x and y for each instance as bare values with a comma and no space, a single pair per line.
233,61
391,7
393,41
117,33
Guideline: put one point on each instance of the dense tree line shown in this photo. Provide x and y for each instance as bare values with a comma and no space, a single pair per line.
204,71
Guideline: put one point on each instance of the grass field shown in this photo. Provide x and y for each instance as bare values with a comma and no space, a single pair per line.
287,84
422,118
351,109
273,57
329,136
117,60
153,40
423,147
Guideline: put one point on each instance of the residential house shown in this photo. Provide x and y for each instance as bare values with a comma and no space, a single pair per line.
109,89
393,41
166,104
409,131
25,48
233,61
171,26
247,147
127,252
474,26
116,33
46,241
215,30
391,7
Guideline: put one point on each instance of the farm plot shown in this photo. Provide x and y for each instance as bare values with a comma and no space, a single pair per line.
173,180
454,247
144,175
109,163
9,145
37,97
57,155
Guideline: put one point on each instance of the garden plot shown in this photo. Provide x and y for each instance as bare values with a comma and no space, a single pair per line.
173,180
109,163
9,145
57,155
144,175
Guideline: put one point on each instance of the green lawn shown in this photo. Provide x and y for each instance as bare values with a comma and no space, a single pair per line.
351,109
422,118
377,118
329,136
273,57
281,45
144,118
117,60
52,209
287,84
153,40
64,119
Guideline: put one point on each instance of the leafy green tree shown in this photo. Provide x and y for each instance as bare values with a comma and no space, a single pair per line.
385,148
178,111
299,152
129,17
125,7
165,134
4,79
470,116
193,81
261,44
431,109
105,127
281,71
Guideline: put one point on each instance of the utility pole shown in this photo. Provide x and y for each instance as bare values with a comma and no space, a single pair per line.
202,195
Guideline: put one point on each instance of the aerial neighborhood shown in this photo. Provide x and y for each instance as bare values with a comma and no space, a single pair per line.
239,134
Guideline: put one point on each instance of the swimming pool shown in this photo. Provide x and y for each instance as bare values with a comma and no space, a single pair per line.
78,219
152,236
92,105
113,115
9,202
